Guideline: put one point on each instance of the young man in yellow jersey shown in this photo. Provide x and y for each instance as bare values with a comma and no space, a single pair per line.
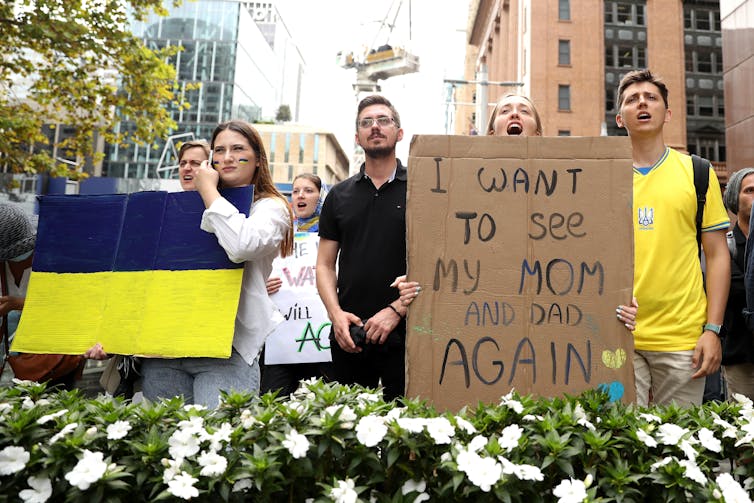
677,326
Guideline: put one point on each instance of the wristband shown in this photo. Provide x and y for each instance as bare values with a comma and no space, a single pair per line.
395,310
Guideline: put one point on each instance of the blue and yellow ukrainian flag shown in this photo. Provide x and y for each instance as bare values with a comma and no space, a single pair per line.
133,272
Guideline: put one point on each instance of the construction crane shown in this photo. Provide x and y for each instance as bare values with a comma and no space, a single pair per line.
380,62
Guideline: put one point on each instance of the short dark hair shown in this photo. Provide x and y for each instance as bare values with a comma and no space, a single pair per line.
376,99
636,76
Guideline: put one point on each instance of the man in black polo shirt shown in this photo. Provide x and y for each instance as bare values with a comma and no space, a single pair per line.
364,218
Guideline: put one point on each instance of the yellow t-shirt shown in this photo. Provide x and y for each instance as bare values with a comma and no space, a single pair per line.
667,275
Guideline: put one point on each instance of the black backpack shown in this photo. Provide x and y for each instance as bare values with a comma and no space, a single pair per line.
701,183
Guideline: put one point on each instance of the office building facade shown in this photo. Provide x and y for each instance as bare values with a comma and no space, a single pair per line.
569,57
238,62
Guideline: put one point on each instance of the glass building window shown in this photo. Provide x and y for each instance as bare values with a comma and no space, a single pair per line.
564,98
564,10
301,147
703,20
564,52
705,106
564,132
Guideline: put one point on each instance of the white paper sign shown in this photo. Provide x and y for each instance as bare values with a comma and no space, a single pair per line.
304,335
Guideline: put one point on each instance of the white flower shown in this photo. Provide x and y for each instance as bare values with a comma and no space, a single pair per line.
485,473
708,440
530,418
182,486
743,400
194,406
194,425
412,485
344,492
87,471
659,464
13,459
670,434
521,472
296,443
5,407
364,398
729,431
63,432
477,443
41,490
570,491
394,413
220,436
687,446
50,417
28,403
183,444
517,407
22,382
650,418
172,468
118,430
241,485
299,407
412,424
466,459
732,491
371,430
90,433
645,437
693,472
510,437
212,464
581,418
465,425
247,419
347,414
440,429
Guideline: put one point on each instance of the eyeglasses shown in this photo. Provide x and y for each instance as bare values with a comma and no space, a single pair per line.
381,121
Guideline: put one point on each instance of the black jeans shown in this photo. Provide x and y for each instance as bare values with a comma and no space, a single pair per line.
285,378
377,363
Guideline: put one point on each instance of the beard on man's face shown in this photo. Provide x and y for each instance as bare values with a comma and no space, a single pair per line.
379,152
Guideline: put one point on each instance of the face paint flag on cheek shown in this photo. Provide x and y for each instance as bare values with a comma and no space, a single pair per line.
243,161
141,268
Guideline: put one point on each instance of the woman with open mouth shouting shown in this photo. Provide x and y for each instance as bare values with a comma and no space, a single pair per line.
514,115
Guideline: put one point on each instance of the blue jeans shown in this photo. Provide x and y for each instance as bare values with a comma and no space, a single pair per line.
199,380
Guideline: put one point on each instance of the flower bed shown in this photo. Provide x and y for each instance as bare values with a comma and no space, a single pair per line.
339,443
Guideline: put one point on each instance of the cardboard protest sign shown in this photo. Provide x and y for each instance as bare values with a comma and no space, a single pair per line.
133,272
303,336
524,249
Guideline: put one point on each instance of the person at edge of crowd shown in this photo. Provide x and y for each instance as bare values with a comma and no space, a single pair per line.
513,115
239,160
738,340
17,239
191,154
307,206
190,157
363,227
677,331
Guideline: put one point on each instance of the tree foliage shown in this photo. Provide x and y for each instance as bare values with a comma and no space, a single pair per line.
284,113
75,63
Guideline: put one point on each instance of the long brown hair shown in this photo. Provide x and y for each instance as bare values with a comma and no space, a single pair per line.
262,179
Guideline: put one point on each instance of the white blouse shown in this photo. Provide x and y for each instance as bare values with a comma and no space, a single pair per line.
254,240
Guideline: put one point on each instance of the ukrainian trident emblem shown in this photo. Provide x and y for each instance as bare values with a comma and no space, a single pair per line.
646,216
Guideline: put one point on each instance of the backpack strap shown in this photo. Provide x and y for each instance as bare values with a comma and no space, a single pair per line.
701,183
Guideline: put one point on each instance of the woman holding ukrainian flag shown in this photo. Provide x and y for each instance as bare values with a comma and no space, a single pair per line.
238,159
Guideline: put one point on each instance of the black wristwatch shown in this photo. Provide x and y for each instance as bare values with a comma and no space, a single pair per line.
713,328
